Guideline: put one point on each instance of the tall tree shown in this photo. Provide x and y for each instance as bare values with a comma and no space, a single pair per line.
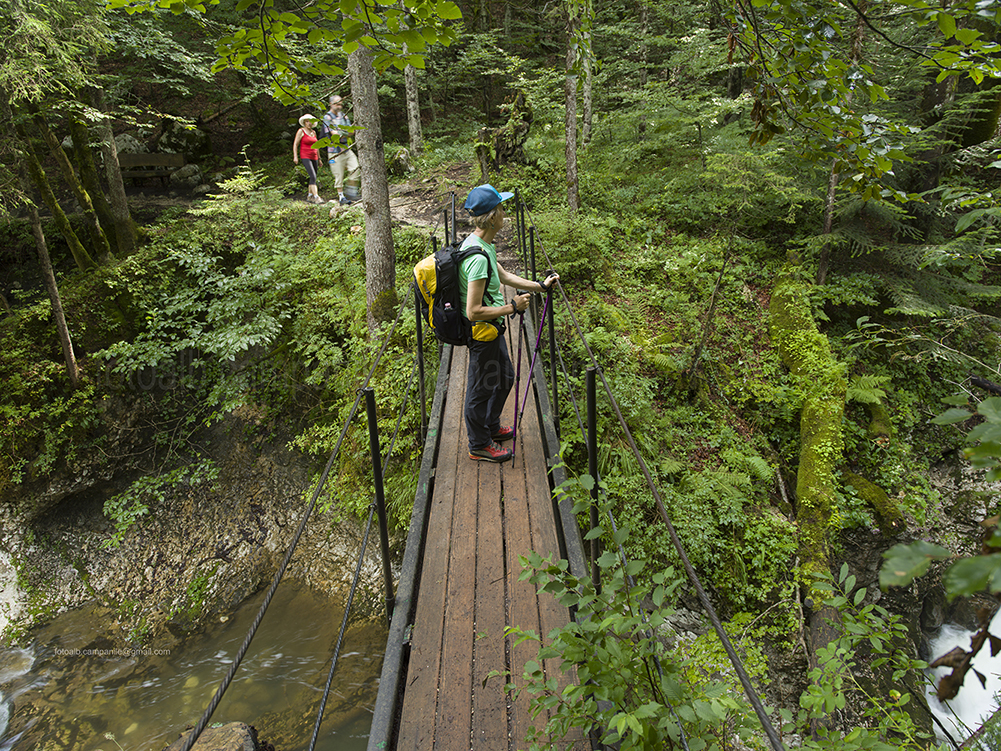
380,254
46,62
413,111
823,262
587,104
45,262
573,29
121,217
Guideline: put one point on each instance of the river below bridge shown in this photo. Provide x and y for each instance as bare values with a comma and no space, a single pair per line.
71,688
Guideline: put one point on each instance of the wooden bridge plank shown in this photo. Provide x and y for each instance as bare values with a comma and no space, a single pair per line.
455,684
523,608
483,516
490,720
417,718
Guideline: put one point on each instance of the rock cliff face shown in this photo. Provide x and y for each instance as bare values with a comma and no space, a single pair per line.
200,548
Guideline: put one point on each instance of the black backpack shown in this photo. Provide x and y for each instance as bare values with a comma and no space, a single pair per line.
437,279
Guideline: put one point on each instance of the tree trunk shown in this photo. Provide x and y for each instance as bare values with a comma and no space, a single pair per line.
573,190
644,60
99,241
824,262
72,371
413,112
83,259
807,354
380,255
84,159
48,274
483,18
125,228
586,98
482,150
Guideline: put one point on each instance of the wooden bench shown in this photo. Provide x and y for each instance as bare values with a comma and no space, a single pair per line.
139,166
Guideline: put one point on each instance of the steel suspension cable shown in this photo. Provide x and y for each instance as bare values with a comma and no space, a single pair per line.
357,575
340,634
745,680
622,552
241,653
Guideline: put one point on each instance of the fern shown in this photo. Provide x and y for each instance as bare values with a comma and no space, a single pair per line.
865,389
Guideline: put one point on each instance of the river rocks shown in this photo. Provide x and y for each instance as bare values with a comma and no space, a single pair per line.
199,548
234,736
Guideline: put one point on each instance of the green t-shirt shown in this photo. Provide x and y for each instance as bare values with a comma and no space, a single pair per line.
475,267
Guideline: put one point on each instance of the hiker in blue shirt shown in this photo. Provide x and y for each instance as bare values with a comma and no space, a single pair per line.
341,156
490,375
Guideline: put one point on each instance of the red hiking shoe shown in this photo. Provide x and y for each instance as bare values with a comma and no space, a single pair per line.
504,433
492,453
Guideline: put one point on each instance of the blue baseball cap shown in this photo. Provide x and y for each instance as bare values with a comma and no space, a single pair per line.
483,199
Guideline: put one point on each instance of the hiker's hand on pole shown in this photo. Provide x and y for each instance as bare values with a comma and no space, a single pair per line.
520,302
549,282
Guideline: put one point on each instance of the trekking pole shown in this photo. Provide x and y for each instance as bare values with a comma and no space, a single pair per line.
535,355
517,384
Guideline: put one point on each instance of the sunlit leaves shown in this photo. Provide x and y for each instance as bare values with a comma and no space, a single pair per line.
277,39
808,67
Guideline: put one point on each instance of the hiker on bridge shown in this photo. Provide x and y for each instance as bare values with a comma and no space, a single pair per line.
490,375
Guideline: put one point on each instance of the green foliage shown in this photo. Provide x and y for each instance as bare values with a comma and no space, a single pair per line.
808,64
42,422
127,507
886,724
281,40
631,688
986,454
750,194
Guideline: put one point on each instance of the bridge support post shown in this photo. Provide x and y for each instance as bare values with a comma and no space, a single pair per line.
380,500
553,375
420,364
592,464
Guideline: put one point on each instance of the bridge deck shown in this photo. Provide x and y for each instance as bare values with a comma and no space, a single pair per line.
482,517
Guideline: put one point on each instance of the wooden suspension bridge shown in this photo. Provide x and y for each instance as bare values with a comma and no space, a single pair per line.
448,658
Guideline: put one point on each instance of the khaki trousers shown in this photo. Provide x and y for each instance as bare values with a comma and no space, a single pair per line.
346,161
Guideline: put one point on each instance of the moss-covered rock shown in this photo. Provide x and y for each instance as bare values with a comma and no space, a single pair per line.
888,515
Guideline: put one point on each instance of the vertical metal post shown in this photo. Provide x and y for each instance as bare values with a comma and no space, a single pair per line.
592,463
520,218
420,362
452,238
380,500
553,373
447,235
531,270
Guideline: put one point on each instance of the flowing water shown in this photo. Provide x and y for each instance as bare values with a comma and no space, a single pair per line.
975,703
71,688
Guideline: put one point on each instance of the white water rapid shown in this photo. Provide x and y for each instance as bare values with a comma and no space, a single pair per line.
975,703
11,667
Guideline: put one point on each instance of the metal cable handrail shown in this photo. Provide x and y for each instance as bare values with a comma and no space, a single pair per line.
357,576
622,551
241,653
734,658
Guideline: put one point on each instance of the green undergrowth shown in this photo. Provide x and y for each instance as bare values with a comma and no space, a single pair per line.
246,305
